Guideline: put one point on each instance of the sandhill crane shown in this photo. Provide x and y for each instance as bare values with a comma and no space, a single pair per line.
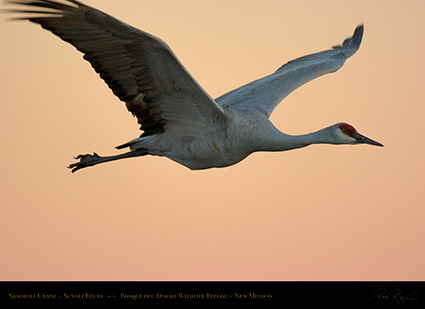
178,118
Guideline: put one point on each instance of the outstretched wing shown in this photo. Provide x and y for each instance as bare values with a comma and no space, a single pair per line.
266,93
140,68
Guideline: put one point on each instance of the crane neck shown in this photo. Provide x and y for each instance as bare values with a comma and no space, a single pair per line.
279,141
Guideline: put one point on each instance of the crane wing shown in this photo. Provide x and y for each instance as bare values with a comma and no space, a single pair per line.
266,93
138,67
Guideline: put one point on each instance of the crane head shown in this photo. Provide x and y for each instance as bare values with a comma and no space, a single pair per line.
348,135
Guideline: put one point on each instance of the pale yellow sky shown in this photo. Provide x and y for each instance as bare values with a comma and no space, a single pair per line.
319,213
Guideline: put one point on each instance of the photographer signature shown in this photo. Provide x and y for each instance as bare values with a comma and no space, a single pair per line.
384,296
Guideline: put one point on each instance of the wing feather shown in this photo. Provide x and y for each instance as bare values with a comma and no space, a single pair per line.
139,68
266,93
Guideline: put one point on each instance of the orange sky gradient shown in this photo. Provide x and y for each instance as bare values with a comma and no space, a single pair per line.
319,213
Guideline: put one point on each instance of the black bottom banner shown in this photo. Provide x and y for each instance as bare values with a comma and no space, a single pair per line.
197,293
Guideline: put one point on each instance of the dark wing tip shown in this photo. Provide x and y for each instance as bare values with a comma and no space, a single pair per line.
44,8
356,39
352,44
358,35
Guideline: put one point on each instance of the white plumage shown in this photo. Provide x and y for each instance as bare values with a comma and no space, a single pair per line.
178,118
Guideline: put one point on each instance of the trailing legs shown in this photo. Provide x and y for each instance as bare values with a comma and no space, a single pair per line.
87,160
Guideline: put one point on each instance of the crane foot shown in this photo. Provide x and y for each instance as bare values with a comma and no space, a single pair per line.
86,160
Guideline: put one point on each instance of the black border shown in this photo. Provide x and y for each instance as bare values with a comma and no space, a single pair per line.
201,292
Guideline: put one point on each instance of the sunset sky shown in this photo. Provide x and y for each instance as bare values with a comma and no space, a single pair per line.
320,213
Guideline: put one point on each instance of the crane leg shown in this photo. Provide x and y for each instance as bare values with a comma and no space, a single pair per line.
87,160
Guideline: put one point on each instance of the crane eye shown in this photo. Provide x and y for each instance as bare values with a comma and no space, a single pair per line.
347,129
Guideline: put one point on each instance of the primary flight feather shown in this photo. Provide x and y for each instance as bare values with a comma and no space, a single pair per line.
178,118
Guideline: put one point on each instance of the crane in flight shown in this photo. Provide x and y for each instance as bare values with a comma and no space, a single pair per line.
178,118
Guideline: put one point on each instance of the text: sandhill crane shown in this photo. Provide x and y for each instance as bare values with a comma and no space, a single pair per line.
178,118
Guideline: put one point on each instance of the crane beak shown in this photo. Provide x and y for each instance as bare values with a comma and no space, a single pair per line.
365,140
